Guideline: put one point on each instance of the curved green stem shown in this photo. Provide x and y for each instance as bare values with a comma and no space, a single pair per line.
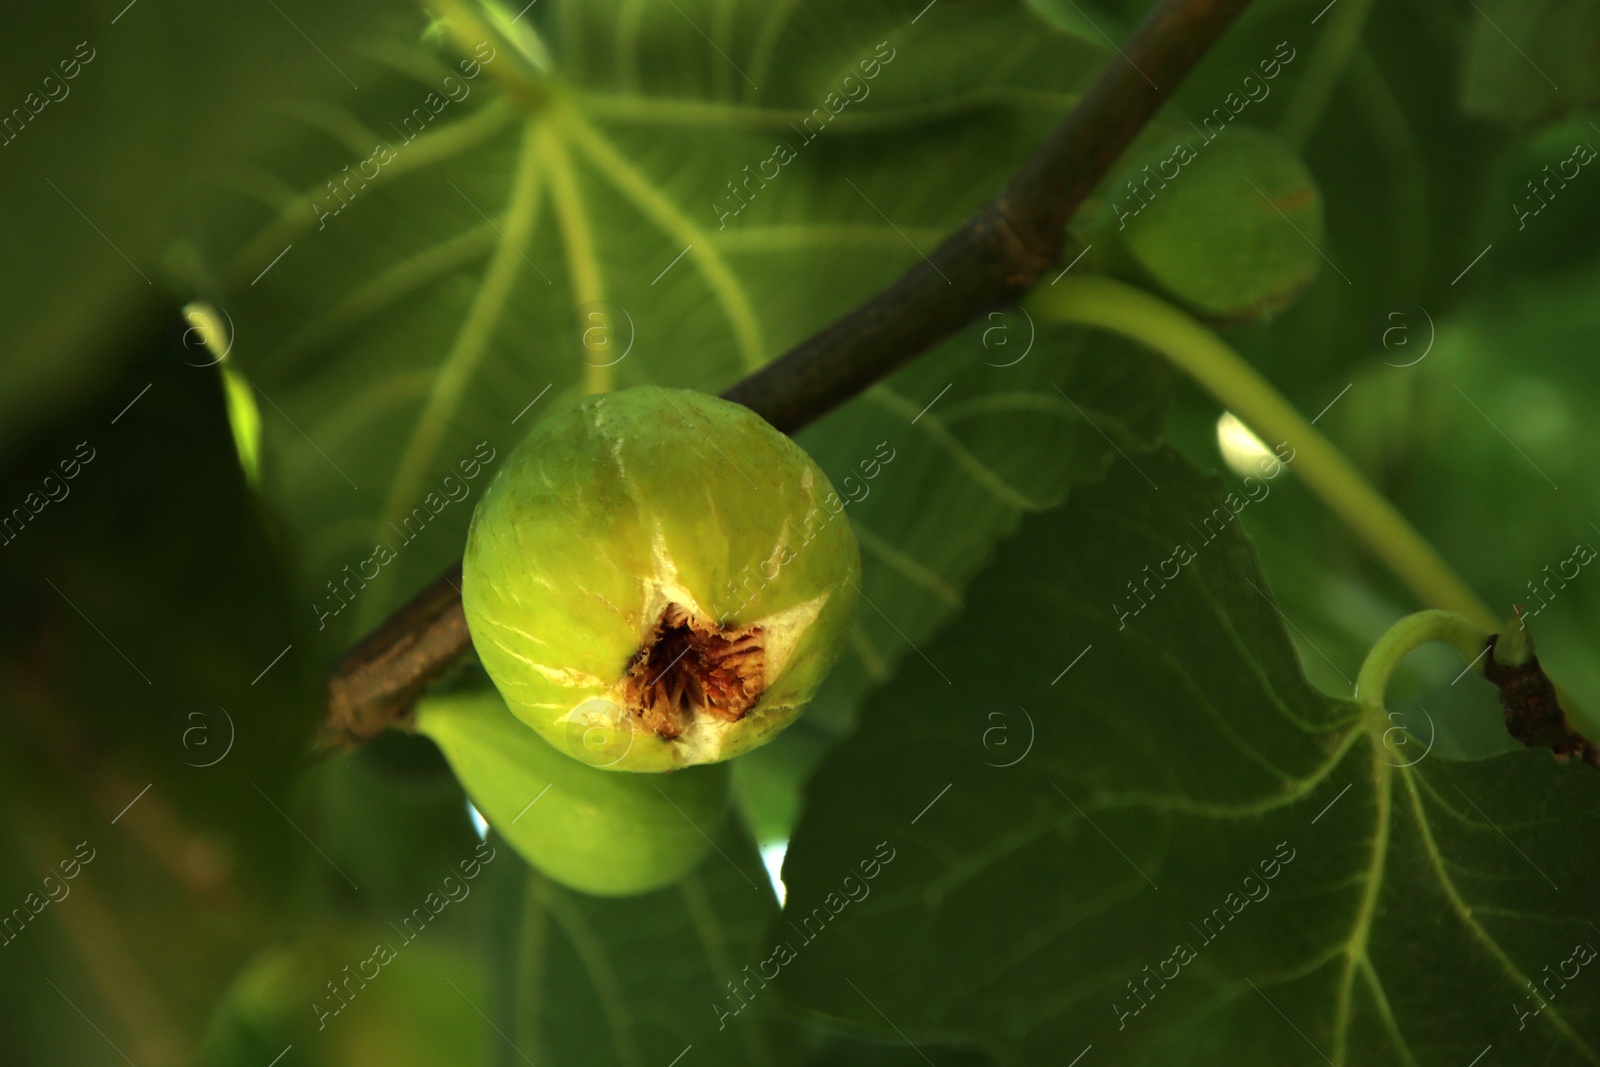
1339,40
1091,300
1410,633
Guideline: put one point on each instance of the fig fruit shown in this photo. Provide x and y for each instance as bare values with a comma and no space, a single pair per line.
657,578
1230,230
600,833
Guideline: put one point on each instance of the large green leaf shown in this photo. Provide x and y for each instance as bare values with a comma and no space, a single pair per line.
547,210
1336,898
633,981
1011,436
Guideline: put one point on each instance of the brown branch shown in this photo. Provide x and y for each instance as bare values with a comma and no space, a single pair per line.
991,259
1000,251
376,683
1528,698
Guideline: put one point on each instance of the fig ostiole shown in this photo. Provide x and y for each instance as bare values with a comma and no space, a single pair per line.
599,833
657,578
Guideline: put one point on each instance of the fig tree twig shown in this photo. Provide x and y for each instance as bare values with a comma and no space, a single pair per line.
377,681
1003,248
1528,697
991,259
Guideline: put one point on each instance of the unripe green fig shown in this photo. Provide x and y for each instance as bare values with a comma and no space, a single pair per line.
657,578
1229,230
606,834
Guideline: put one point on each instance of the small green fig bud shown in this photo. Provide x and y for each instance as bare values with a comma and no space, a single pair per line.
658,578
1230,230
1514,647
606,834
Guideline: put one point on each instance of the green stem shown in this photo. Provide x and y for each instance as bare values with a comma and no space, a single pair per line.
1310,100
1091,300
1411,632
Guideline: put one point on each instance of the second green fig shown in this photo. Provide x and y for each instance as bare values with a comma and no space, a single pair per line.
588,829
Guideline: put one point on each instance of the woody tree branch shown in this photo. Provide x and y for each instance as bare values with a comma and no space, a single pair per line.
999,252
994,257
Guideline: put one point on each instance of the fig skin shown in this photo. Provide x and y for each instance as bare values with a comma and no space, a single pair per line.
626,511
606,834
